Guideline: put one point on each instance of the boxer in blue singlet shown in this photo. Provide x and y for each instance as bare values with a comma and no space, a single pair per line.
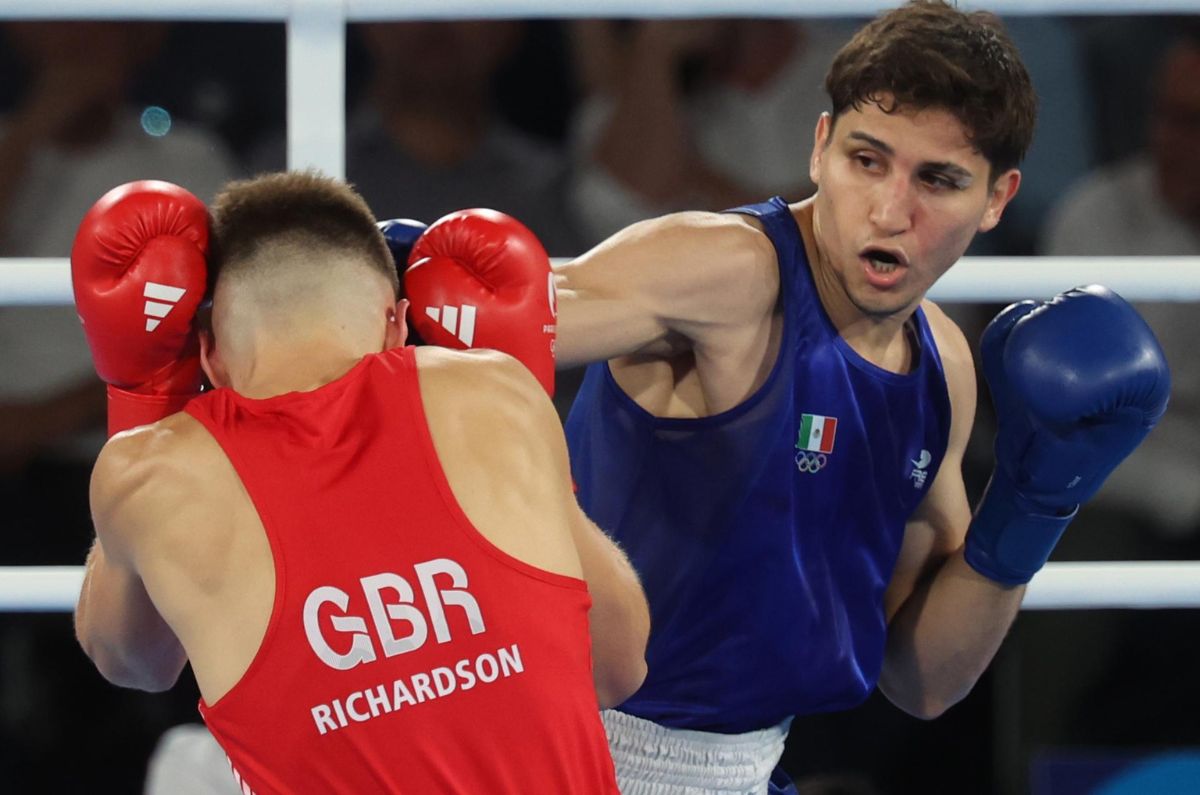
775,429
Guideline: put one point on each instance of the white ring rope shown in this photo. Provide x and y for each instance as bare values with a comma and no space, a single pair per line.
1094,586
1059,586
973,279
40,588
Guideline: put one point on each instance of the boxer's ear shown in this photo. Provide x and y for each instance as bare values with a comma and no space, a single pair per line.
397,325
821,135
210,360
1001,192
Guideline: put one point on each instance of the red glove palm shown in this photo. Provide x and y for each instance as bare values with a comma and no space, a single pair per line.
480,279
138,267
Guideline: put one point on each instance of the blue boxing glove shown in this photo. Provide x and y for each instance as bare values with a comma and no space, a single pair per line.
1077,382
401,235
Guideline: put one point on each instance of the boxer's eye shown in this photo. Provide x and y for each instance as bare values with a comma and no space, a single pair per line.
939,181
867,162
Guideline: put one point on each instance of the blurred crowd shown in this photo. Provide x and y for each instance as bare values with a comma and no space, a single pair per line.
579,128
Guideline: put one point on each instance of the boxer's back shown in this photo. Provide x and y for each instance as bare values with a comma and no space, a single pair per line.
394,619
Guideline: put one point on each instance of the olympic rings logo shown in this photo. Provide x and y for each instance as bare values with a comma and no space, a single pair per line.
808,461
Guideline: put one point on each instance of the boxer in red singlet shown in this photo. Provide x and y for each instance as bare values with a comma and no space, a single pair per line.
370,554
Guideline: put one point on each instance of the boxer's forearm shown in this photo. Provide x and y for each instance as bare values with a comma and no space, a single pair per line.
121,631
619,620
944,637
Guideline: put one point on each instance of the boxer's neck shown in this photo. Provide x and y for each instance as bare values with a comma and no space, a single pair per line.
274,366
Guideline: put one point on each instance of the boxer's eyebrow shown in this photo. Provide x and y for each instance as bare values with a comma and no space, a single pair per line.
951,170
873,142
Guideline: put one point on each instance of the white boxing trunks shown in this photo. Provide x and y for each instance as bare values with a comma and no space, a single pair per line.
657,760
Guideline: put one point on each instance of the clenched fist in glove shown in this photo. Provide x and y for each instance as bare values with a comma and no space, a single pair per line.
1077,383
480,279
139,269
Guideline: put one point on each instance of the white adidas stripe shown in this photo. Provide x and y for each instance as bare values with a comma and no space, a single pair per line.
164,297
459,321
163,292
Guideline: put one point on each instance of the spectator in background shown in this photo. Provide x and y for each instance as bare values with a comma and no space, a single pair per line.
695,114
1149,204
76,134
1120,53
73,134
703,114
1066,142
1112,673
428,138
72,137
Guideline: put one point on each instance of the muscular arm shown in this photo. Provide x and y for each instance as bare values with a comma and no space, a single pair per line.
946,621
620,618
664,285
504,454
116,623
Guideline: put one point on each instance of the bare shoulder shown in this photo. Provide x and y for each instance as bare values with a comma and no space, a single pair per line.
957,362
712,234
500,445
478,376
684,258
151,472
485,394
727,241
952,344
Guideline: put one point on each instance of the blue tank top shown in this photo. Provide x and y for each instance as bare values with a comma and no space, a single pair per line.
766,535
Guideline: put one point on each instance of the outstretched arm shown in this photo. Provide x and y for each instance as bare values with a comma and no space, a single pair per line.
663,285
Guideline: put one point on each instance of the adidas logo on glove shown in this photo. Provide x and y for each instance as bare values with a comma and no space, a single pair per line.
459,321
161,299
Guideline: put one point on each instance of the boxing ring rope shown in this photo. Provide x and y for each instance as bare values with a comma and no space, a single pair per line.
316,38
972,280
1059,586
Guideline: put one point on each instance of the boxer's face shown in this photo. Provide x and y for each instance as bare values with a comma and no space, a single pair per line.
900,196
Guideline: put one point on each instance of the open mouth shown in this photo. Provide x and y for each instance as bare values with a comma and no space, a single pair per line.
882,261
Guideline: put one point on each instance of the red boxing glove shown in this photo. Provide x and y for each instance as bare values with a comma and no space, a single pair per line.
138,268
480,279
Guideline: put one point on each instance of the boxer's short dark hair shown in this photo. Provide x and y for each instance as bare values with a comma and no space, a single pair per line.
928,54
301,209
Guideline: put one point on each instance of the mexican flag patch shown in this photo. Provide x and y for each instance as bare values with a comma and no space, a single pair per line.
816,433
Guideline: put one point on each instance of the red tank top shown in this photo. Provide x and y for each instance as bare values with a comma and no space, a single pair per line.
405,652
